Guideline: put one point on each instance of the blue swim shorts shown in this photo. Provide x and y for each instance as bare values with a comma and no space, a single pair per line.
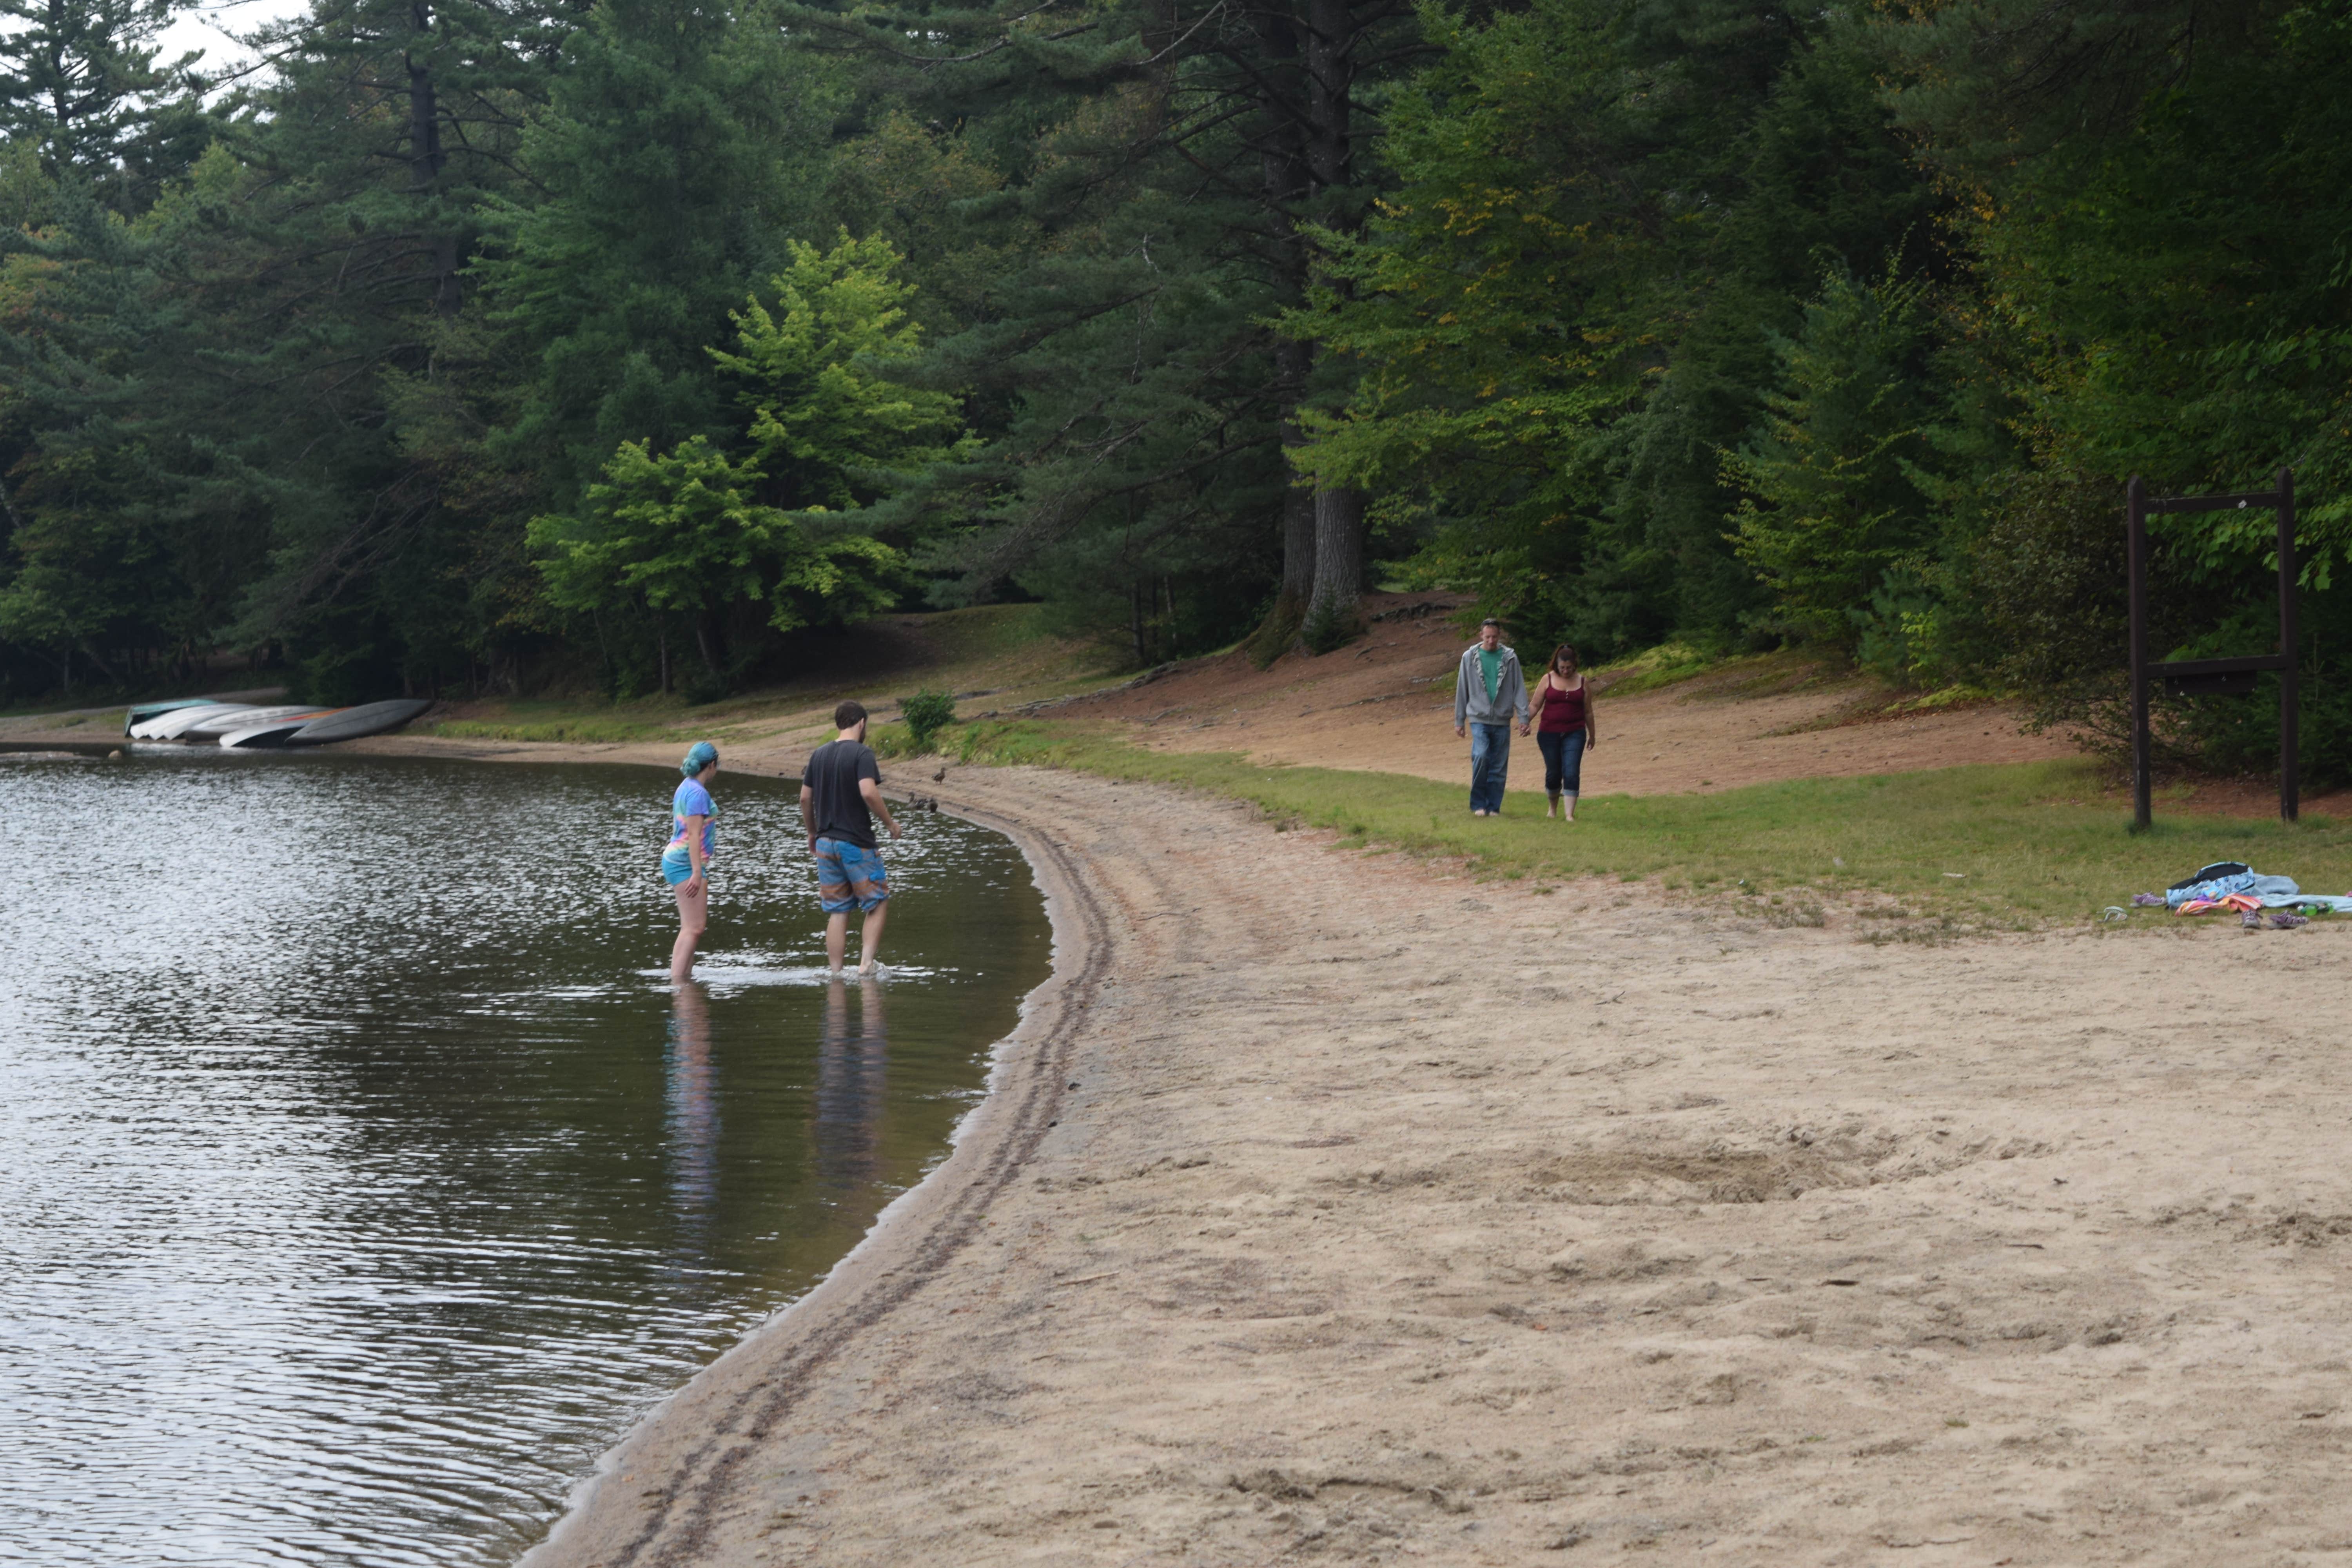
849,876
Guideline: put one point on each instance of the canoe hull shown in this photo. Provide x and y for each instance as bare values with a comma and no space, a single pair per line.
174,725
213,728
141,712
272,733
351,723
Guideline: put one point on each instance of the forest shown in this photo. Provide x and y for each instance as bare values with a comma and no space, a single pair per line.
628,346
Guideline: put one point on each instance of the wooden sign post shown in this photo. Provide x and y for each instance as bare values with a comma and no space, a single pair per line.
2212,677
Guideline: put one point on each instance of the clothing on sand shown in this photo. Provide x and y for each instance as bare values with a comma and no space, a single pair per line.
2263,892
837,806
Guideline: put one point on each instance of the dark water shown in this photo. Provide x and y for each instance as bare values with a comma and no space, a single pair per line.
362,1178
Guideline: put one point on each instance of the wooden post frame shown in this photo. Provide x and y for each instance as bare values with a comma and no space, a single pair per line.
2213,677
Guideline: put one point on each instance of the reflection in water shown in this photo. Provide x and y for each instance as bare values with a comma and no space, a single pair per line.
690,1106
850,1078
354,1201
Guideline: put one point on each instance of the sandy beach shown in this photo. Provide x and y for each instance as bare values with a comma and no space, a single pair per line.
1337,1206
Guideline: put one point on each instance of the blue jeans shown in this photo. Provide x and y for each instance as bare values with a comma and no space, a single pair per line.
1563,761
1490,760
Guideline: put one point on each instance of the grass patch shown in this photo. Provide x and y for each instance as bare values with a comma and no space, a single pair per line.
1943,699
1740,674
595,719
2014,845
555,730
1651,669
985,631
896,740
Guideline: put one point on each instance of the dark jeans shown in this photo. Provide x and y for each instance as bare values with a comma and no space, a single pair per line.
1563,760
1490,760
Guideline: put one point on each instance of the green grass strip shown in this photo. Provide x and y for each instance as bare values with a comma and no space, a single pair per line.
2017,846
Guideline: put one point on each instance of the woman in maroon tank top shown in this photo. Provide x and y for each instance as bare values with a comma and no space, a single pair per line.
1564,729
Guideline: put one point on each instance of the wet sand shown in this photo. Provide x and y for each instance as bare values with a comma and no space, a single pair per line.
1335,1206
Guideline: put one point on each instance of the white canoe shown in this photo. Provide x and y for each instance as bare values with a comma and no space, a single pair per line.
141,713
367,718
213,728
179,721
274,732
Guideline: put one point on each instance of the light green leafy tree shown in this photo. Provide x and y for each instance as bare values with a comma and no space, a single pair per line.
830,426
703,531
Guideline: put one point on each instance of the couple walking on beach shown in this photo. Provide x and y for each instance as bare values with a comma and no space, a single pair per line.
1490,695
841,794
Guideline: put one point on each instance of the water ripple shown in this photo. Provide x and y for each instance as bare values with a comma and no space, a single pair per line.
365,1177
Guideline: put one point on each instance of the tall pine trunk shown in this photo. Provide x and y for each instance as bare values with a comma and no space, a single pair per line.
1331,613
425,157
1291,360
1285,183
1331,40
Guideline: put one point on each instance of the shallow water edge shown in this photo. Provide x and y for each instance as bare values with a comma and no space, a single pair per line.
906,1241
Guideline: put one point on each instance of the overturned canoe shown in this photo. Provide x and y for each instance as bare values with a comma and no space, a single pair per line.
273,733
367,718
227,719
173,725
140,712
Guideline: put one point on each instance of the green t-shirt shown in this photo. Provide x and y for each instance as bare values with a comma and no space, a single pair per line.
1492,659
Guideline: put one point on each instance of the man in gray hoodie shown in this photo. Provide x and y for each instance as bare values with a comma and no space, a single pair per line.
1489,697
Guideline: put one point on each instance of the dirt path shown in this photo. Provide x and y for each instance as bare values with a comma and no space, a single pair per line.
1386,704
1330,1206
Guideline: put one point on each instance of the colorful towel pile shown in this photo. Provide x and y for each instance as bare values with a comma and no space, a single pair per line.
2234,885
2244,904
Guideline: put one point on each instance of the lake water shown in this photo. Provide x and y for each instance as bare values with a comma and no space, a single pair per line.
362,1176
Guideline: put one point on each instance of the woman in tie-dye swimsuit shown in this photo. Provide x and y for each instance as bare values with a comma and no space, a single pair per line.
693,840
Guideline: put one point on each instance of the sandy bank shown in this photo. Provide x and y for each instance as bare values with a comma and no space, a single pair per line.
1330,1206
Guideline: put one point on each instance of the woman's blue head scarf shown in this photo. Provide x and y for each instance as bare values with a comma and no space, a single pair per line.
700,757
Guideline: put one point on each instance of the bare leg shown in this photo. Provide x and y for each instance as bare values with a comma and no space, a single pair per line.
869,938
1551,807
837,937
1569,802
693,915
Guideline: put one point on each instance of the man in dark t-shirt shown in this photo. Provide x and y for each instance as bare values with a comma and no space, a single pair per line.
841,794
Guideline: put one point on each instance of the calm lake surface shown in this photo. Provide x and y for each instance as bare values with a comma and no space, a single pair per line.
363,1178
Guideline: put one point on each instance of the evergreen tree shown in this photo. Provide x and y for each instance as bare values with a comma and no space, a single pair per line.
84,82
1138,405
675,162
1832,493
1565,314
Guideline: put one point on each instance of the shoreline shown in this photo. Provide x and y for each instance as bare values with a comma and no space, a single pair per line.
1356,1208
700,1435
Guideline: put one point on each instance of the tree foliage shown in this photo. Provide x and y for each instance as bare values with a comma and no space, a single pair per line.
516,342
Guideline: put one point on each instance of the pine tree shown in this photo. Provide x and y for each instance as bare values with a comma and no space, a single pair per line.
1137,403
1564,312
84,82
